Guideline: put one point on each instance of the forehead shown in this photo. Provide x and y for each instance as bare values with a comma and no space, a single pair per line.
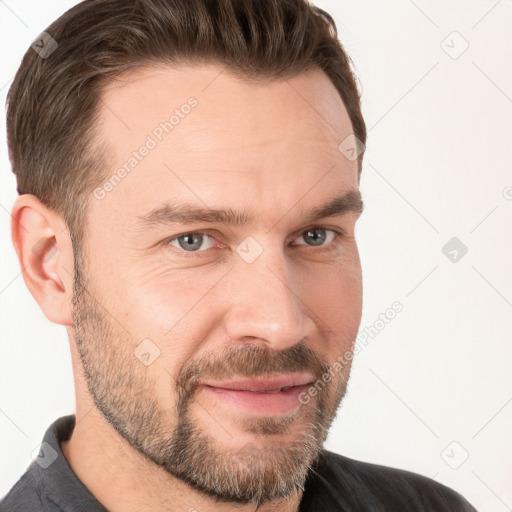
160,88
200,132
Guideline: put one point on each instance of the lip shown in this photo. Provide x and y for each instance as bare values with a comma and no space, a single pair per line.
267,396
275,383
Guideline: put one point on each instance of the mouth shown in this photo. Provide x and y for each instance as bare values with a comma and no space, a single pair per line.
267,396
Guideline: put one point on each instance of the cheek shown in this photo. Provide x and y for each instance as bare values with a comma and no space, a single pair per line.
334,293
165,302
170,310
159,300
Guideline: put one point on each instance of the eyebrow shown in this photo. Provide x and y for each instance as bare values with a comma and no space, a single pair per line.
176,213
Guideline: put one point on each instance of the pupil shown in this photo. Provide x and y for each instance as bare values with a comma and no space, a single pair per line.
192,242
317,234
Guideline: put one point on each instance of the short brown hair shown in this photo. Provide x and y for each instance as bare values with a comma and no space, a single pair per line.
53,102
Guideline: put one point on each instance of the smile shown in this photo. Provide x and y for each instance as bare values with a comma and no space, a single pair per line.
262,397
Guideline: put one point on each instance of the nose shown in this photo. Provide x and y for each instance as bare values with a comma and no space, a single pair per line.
265,303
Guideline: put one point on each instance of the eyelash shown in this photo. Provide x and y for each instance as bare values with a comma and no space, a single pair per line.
338,234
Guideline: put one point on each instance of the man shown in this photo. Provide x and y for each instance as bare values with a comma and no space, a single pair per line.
189,188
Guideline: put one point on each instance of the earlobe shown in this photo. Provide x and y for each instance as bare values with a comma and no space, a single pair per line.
42,243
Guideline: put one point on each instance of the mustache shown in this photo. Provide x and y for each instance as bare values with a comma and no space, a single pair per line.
248,361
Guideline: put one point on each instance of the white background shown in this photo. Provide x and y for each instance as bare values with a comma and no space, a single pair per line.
434,386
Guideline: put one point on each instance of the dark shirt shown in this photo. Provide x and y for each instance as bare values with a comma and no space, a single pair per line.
336,484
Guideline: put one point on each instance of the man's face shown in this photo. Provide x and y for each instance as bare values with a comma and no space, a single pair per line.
188,331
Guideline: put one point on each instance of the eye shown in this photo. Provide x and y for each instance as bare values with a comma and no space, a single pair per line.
192,242
201,241
317,236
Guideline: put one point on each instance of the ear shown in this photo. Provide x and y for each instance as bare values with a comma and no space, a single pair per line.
43,245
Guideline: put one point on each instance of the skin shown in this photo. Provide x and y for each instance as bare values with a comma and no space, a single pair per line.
269,149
